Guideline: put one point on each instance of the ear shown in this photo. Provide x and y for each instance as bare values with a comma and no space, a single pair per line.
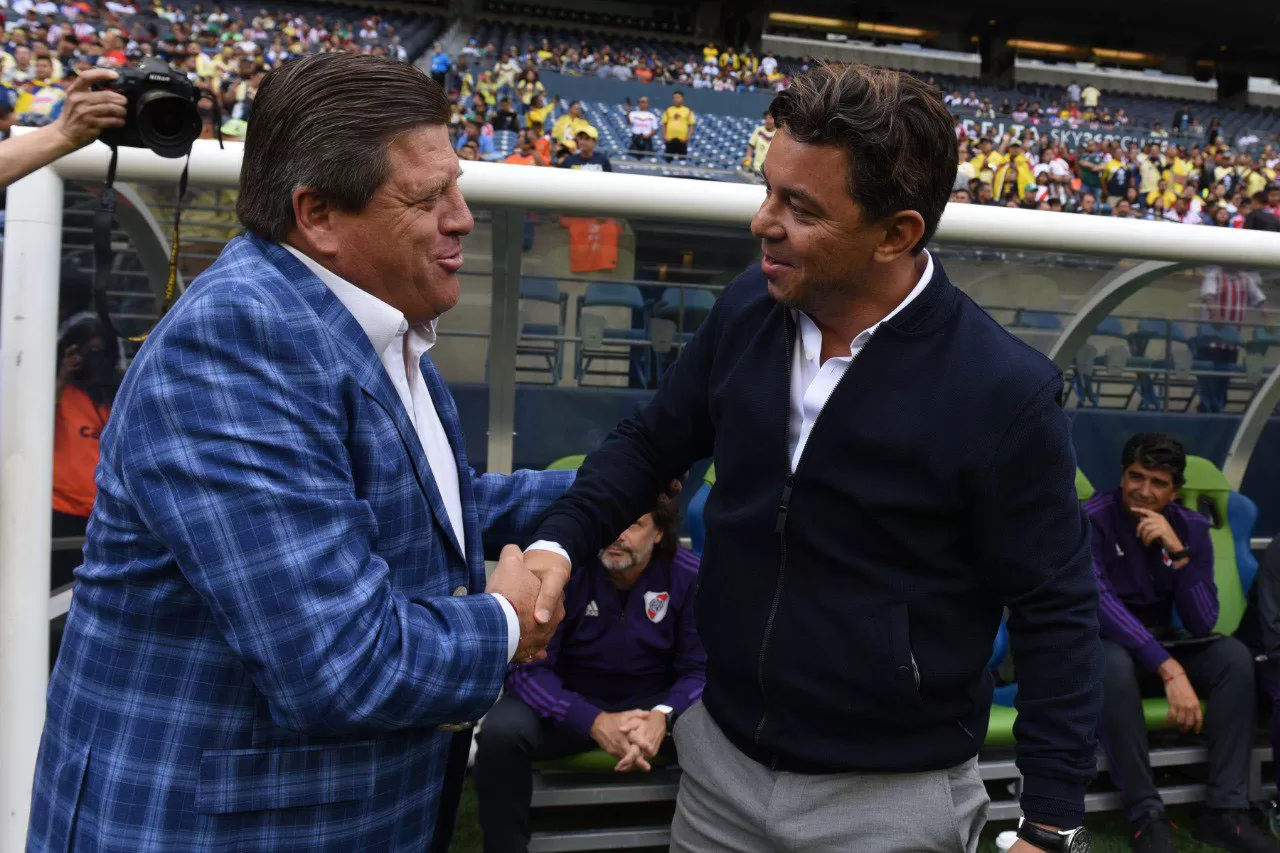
315,222
903,230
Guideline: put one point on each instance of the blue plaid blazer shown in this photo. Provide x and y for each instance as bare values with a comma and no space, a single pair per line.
271,620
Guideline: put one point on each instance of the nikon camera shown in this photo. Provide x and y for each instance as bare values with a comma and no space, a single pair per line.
162,113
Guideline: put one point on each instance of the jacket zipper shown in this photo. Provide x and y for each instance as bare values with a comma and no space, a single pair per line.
780,525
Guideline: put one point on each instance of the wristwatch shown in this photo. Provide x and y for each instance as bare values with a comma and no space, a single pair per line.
1179,555
1063,841
668,712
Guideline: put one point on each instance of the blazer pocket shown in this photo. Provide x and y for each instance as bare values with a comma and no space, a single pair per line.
246,780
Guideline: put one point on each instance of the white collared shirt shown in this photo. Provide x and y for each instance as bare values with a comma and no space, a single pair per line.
400,347
812,381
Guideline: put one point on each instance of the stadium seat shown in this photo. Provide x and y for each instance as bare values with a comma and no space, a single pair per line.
1207,491
619,296
545,291
1040,329
694,304
1084,489
567,463
1242,515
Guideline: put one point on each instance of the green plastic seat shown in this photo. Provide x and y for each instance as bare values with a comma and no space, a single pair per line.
1207,486
567,463
1084,489
593,761
710,477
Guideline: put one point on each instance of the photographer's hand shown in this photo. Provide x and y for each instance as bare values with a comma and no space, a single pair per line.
84,116
88,112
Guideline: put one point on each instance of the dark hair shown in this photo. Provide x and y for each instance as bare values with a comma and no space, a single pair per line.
899,137
666,518
322,122
1158,452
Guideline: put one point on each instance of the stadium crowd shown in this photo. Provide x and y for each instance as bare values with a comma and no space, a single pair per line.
225,50
719,68
1212,184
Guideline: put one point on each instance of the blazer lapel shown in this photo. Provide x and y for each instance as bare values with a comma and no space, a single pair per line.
372,376
448,412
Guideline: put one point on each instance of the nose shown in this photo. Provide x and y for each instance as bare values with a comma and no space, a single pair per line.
765,225
456,219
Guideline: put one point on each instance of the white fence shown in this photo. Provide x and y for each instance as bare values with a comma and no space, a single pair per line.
29,325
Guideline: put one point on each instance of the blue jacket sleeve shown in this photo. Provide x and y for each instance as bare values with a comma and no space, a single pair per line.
510,505
1033,538
237,464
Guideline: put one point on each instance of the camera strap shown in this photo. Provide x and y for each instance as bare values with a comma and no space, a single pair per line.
104,220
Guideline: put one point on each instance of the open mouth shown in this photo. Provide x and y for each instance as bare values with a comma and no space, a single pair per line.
771,266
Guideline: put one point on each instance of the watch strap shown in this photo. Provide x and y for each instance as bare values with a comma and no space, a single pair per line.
1179,555
1043,839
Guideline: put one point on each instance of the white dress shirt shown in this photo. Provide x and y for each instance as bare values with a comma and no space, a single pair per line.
400,348
812,381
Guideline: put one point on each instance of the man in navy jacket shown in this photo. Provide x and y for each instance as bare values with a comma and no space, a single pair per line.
893,469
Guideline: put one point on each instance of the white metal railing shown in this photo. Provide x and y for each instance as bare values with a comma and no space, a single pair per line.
29,306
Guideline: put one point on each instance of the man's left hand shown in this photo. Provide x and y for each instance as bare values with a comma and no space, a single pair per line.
647,730
1154,527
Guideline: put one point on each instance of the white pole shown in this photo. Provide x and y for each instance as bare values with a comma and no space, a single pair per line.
28,332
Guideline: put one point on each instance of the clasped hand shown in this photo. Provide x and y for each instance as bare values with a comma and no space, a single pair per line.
633,737
534,584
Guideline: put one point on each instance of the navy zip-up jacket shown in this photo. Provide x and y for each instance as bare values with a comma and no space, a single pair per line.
848,607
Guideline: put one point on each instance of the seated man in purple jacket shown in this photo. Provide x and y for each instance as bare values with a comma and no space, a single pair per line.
624,663
1150,556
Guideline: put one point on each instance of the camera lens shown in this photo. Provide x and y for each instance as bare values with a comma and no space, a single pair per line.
167,123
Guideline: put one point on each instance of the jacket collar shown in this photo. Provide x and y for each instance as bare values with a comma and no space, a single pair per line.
929,309
356,348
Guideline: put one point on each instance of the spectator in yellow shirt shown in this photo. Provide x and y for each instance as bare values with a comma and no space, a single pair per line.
1179,170
487,88
565,132
677,126
1162,192
758,144
536,116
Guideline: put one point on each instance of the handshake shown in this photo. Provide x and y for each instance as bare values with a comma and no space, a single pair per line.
534,584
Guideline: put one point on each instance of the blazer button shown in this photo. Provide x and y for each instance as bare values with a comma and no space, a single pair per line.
460,591
904,672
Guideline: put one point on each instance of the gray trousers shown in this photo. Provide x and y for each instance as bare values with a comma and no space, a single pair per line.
729,803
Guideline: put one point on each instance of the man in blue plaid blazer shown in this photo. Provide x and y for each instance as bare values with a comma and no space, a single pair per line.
274,634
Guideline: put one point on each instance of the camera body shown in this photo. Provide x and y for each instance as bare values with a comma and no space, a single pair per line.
162,112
